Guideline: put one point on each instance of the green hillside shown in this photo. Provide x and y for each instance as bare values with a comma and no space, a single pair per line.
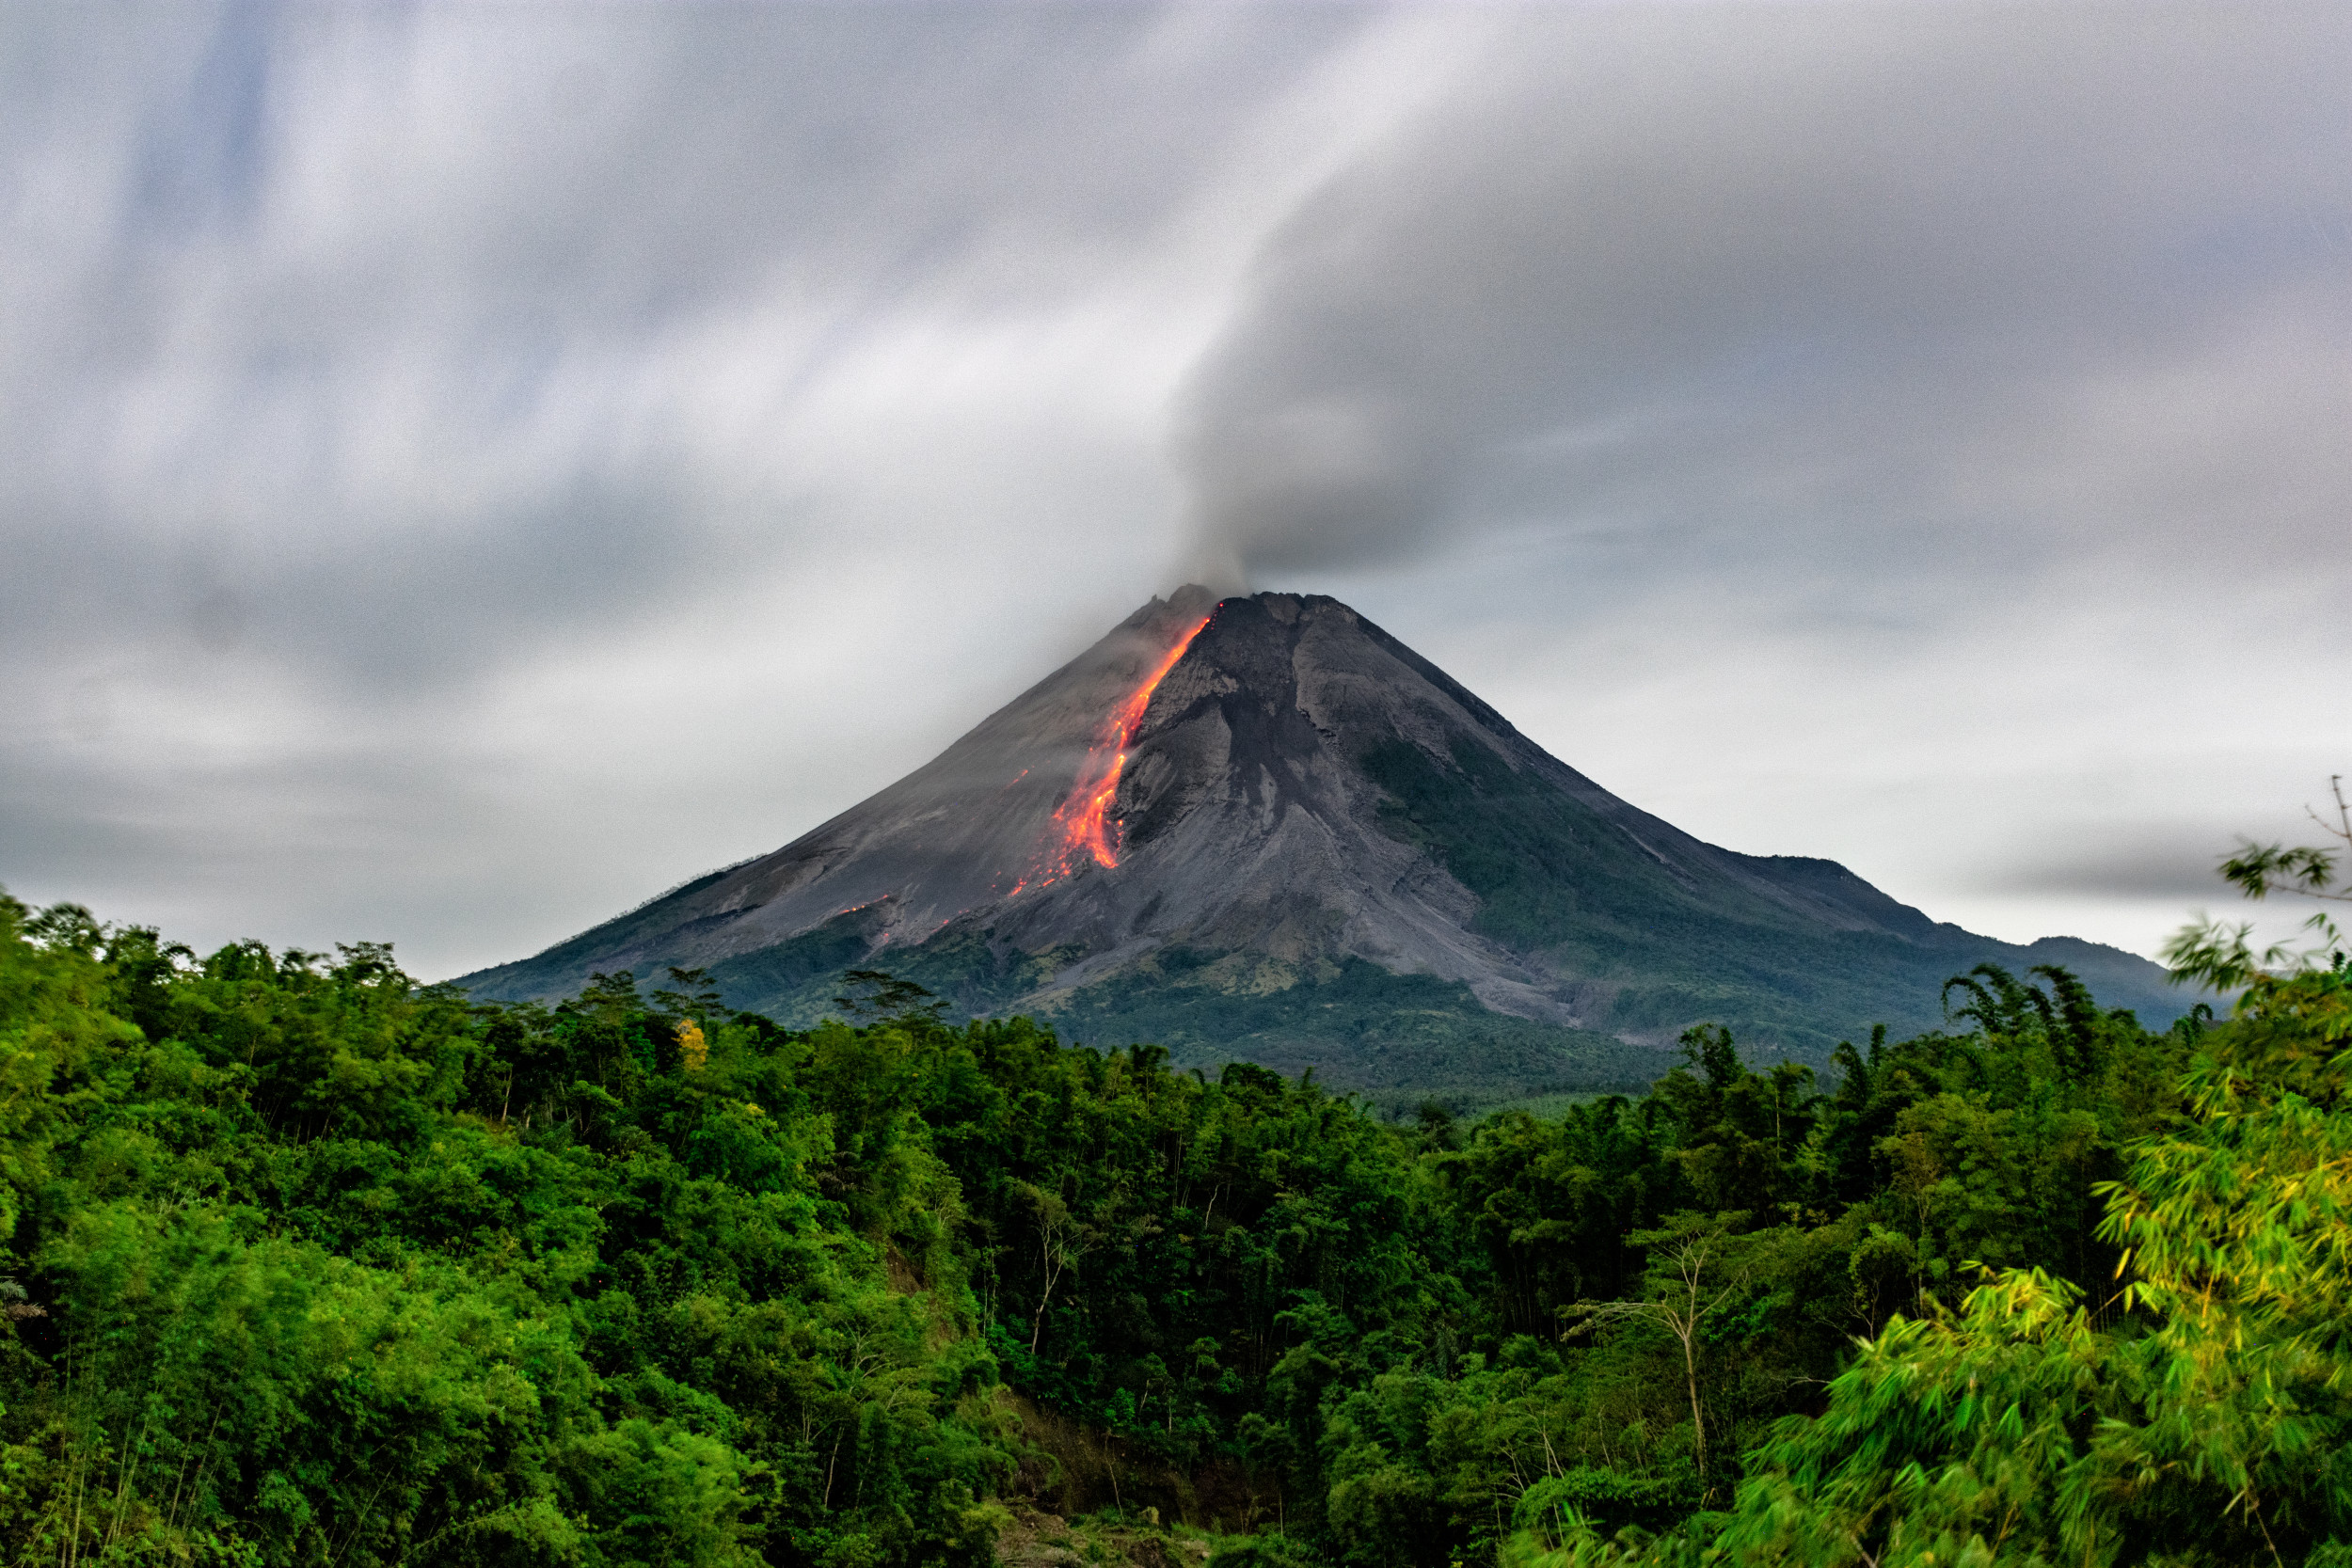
1563,885
301,1261
1558,884
1393,1036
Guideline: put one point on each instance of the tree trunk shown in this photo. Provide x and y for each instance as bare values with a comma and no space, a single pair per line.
1698,1421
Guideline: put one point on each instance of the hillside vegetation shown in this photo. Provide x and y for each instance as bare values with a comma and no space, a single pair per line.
308,1263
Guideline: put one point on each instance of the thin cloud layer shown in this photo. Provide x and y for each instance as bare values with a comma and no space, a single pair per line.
463,468
383,339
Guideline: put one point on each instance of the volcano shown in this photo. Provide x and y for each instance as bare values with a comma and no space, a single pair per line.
1261,827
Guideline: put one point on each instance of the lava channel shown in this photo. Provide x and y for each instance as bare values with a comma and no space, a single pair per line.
1082,823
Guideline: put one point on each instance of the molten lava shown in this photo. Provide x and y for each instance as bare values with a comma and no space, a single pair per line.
1082,822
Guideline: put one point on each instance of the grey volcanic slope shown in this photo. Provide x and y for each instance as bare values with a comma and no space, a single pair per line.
1330,854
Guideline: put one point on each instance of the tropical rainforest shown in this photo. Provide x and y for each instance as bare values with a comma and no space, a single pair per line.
307,1262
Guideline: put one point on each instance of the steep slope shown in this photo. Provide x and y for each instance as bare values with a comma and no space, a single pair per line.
1264,827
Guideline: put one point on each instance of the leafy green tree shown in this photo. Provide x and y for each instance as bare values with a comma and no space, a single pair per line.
2195,1412
307,1260
2218,955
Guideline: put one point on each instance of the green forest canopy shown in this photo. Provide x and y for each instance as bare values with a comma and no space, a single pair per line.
306,1262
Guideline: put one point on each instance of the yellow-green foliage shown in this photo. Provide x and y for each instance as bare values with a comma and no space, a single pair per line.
301,1261
2197,1412
312,1264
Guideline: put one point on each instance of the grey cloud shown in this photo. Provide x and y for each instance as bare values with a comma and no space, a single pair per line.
1806,277
403,319
2178,865
2139,855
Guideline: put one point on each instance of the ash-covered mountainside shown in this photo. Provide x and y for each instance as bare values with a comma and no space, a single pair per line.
1263,828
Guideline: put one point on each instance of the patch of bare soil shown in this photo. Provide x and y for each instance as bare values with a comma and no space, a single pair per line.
1039,1540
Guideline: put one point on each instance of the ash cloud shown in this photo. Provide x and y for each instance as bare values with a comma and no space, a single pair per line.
1863,293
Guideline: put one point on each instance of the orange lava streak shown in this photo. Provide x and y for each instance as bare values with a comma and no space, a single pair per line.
1085,816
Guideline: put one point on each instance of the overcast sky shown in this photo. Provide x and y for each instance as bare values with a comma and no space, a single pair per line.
465,469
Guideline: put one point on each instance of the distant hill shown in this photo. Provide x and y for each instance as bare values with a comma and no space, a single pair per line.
1263,828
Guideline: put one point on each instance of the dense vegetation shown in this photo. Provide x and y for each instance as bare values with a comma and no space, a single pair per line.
1580,894
308,1263
1395,1038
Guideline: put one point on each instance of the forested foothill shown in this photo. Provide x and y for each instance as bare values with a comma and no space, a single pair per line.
306,1262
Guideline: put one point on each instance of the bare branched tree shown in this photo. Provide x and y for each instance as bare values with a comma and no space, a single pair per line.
1691,1279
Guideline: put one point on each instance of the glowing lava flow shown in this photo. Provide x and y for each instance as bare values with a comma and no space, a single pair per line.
1083,820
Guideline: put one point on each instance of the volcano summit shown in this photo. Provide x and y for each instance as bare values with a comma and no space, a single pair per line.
1263,829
